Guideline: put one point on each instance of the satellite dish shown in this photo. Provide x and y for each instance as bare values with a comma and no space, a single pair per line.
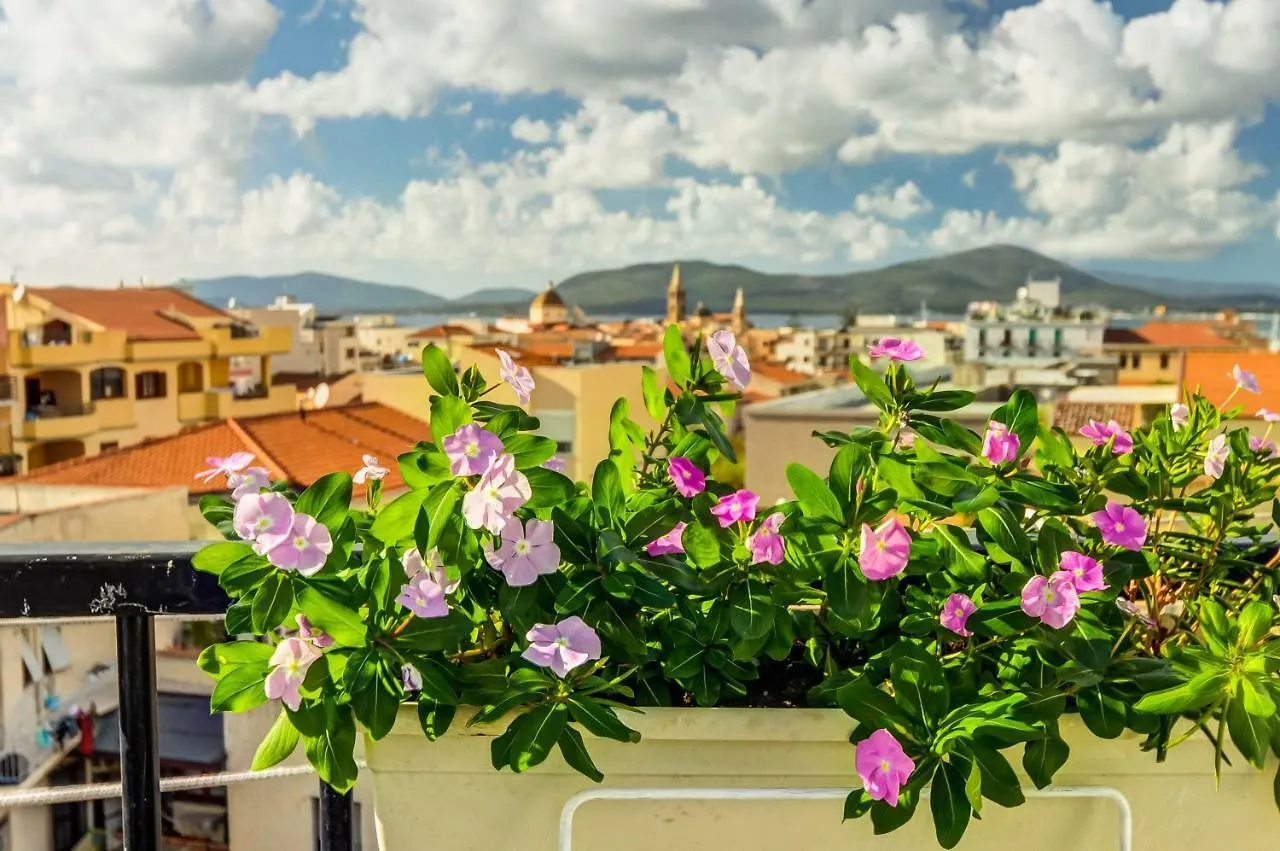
19,292
322,396
231,303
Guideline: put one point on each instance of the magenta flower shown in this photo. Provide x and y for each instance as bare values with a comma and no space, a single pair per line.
501,490
1134,610
883,766
955,614
411,677
562,646
1178,414
370,471
264,518
1111,431
1121,526
729,359
765,543
1264,447
470,449
739,506
527,552
1052,599
315,635
426,594
289,664
555,464
669,544
519,377
1086,573
685,475
228,466
1245,380
250,481
896,349
1215,458
305,549
999,444
885,551
1269,416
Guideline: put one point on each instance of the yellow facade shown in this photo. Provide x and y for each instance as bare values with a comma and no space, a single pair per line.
1146,365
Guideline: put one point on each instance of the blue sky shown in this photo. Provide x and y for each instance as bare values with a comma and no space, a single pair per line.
458,145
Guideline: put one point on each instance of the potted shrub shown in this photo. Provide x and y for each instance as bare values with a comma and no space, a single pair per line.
922,617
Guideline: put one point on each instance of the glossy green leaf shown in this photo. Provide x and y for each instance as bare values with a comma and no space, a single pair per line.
448,414
600,720
1250,733
332,752
655,402
327,500
537,733
272,601
434,717
574,751
215,558
240,689
1102,711
549,488
343,624
279,743
439,371
751,609
949,803
999,782
871,384
676,356
816,499
395,521
1043,758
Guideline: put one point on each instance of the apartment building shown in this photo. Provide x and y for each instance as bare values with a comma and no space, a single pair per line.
84,371
813,351
1036,330
319,345
1156,353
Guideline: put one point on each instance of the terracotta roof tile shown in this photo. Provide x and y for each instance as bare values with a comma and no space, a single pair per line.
1203,335
778,372
1072,416
137,312
1211,372
436,332
521,355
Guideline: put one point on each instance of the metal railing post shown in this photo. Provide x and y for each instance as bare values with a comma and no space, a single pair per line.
335,820
139,741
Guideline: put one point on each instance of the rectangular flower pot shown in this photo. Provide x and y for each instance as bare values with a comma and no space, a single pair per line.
445,794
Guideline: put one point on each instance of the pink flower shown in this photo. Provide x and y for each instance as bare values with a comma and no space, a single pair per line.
883,766
1245,380
668,544
1135,610
955,614
729,359
1178,414
1262,446
230,465
685,475
250,481
411,677
1051,599
885,551
519,377
370,471
316,636
501,490
415,562
1085,572
562,646
470,449
999,444
906,439
527,552
765,543
555,464
1111,431
739,506
305,549
425,595
264,518
897,349
1121,526
1269,416
289,664
1215,458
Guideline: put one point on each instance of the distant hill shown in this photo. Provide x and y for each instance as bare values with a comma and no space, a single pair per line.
329,293
495,296
1233,292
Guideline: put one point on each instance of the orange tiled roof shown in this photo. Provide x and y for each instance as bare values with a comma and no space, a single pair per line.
1190,335
437,332
1072,416
521,355
138,312
294,448
778,372
1211,372
636,351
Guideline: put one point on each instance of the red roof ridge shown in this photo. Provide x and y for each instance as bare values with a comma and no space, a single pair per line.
347,410
276,469
71,463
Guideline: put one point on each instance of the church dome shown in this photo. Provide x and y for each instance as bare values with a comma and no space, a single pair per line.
548,298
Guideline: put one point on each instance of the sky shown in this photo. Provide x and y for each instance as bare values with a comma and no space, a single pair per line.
459,144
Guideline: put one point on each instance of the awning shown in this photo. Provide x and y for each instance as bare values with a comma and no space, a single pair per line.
188,732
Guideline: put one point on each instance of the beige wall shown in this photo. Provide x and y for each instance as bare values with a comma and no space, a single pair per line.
71,513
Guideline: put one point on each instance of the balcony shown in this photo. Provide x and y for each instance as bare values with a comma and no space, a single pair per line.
266,340
277,399
131,584
61,422
198,406
32,350
115,413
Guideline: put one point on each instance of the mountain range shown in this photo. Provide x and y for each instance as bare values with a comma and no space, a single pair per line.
946,283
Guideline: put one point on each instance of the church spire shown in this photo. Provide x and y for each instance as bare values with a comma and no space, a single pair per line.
675,297
739,313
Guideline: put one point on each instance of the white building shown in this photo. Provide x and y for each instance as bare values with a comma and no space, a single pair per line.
321,346
811,351
1034,331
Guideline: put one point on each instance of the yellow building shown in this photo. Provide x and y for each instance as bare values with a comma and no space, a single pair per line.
84,371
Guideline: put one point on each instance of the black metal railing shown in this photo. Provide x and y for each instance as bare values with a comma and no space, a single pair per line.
133,583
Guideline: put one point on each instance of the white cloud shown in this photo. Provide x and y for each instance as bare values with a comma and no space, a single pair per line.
524,129
970,178
903,202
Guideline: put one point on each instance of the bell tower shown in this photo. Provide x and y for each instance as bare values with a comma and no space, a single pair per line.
675,297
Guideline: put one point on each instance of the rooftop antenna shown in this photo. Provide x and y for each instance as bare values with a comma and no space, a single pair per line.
19,290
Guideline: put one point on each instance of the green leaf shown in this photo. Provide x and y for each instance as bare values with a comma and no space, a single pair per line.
343,624
1043,758
1197,693
871,384
897,475
999,782
395,521
434,717
867,704
1255,697
963,562
1043,494
549,488
702,544
327,500
240,689
537,733
944,400
684,660
655,400
1251,733
280,741
816,499
606,489
679,369
439,371
439,504
217,659
530,450
1005,531
448,414
1103,713
375,698
430,634
920,687
949,803
1255,622
216,558
1020,415
847,467
574,751
600,720
751,609
272,602
620,447
246,574
332,753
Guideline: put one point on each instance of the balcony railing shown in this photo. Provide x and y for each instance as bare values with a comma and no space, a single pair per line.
132,583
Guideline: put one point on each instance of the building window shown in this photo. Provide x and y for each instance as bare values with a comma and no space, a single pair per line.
110,446
982,338
357,840
6,388
1137,361
190,377
1164,361
106,383
1124,361
564,447
149,385
351,353
1007,340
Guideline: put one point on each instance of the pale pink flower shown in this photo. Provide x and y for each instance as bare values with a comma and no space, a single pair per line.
883,766
669,544
896,349
305,549
955,614
1269,416
739,506
370,471
1245,380
411,677
1121,526
426,593
1052,599
562,646
233,463
999,444
885,550
289,664
252,480
1100,433
415,562
1135,610
1086,573
765,543
1178,414
528,551
1264,447
1215,458
264,518
315,635
685,475
729,359
471,449
519,377
556,464
501,490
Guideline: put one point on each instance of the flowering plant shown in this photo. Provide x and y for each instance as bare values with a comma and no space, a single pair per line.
954,602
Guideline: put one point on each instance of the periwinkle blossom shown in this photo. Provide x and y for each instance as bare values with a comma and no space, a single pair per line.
411,677
1100,433
729,359
883,766
308,632
1269,416
955,614
415,562
556,464
370,471
266,519
519,377
1052,599
765,544
1215,457
501,490
528,551
305,549
471,449
999,444
885,550
896,349
685,475
1086,573
1121,526
1244,379
426,592
289,664
1178,414
1264,447
739,506
250,481
228,466
671,543
562,646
